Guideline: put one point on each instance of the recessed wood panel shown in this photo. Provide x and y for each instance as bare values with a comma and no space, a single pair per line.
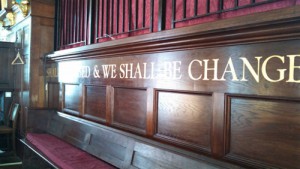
130,108
185,118
264,131
53,95
72,95
95,102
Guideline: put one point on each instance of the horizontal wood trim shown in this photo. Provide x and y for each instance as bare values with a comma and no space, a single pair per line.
274,25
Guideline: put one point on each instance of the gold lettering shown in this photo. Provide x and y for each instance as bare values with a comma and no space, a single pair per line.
250,68
264,69
128,70
292,69
176,70
122,71
232,71
138,71
190,69
215,69
145,71
113,71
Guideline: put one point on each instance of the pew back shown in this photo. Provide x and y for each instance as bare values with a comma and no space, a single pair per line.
116,147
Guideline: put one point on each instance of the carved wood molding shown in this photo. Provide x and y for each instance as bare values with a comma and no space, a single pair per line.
275,25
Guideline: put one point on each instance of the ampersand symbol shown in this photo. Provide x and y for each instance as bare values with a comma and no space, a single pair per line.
96,72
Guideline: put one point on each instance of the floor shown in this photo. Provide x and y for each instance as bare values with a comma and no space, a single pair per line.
8,160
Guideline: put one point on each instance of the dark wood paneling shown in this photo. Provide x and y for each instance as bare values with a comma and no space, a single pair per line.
263,131
95,103
146,156
122,149
130,109
6,69
72,98
53,95
185,118
248,56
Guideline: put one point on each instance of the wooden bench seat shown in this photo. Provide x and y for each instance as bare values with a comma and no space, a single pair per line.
48,130
63,154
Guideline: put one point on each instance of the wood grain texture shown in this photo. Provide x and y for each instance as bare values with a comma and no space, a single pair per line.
218,125
6,70
185,119
53,95
258,115
121,149
72,98
263,130
95,103
130,109
146,156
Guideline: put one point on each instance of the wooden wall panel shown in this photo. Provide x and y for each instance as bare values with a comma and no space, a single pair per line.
185,118
263,131
229,89
53,95
130,109
72,98
6,70
95,103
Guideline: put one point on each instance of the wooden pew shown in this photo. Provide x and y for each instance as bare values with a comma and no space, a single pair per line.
118,148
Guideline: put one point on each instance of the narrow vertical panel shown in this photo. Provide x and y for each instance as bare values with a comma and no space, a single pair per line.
118,13
84,101
109,104
112,17
136,14
78,21
150,112
89,19
173,14
184,9
53,95
221,5
144,13
195,7
65,9
129,15
217,131
161,15
102,18
57,27
207,6
107,17
85,21
82,21
71,25
62,25
236,3
96,21
74,22
123,17
151,15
